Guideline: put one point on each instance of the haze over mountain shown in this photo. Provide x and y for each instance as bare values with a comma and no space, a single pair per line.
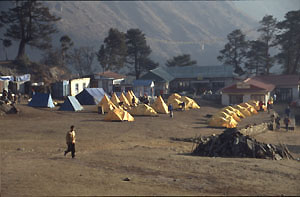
198,28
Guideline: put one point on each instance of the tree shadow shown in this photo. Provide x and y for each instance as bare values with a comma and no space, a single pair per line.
294,148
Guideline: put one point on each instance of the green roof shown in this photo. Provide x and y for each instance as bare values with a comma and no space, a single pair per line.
171,73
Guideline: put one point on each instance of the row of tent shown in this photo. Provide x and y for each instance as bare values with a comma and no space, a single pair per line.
128,109
124,112
111,105
89,96
230,116
45,100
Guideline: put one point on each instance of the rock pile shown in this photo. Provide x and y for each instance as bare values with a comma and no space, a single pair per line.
8,108
232,143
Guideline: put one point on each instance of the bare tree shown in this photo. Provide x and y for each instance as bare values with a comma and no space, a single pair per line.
82,59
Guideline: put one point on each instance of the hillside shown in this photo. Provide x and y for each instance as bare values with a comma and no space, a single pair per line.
39,72
198,28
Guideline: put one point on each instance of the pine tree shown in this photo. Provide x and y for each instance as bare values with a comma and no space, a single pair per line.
181,60
112,54
102,57
268,30
30,23
289,42
256,57
65,44
234,51
138,50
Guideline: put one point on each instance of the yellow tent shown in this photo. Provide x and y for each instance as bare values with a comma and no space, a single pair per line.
249,107
254,103
217,122
233,114
142,110
129,97
240,115
125,101
160,106
222,122
189,103
106,104
173,96
118,115
243,110
175,102
115,100
231,123
224,115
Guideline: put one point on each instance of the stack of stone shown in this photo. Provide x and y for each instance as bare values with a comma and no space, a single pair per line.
232,143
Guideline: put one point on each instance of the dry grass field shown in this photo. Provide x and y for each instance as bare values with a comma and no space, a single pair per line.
32,161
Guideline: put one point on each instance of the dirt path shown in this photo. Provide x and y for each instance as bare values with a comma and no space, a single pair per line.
32,161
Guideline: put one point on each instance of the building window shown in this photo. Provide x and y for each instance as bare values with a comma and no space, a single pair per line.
76,87
116,88
258,97
235,99
217,85
284,94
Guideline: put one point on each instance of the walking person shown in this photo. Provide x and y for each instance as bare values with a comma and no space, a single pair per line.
170,108
182,106
277,121
70,140
261,106
286,121
133,101
287,111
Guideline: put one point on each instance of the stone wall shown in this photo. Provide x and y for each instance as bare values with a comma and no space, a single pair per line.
255,129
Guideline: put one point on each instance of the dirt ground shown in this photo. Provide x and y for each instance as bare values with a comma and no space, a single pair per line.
32,162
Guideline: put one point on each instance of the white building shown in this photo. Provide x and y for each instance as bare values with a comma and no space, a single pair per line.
77,85
246,90
287,87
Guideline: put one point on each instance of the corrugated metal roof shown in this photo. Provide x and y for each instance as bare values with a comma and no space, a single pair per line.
202,71
170,73
287,80
163,73
140,82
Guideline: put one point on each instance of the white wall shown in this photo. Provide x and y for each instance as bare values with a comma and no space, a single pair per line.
246,97
80,82
225,99
295,93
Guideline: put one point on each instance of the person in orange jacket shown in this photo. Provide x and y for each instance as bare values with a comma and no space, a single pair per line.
70,140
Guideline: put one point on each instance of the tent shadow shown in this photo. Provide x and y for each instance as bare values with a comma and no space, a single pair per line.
204,127
209,127
186,154
89,112
94,120
202,119
201,122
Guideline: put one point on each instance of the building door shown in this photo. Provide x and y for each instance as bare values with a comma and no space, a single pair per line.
235,99
258,97
284,94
